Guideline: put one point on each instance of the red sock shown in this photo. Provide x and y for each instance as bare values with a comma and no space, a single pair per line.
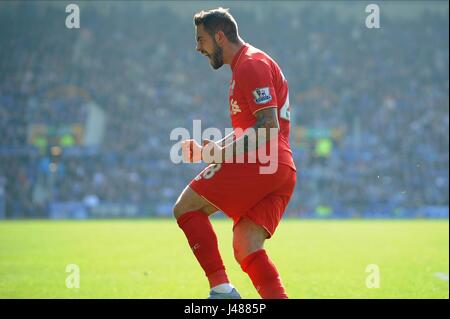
264,275
203,242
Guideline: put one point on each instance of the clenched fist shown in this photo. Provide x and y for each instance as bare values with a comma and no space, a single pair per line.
191,151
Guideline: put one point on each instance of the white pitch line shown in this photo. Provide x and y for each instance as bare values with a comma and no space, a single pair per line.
441,276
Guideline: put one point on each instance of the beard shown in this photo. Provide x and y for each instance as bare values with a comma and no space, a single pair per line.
217,56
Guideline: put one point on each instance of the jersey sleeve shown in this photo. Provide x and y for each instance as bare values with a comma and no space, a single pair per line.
257,85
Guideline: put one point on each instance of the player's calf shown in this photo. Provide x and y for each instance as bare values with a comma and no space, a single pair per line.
248,241
192,214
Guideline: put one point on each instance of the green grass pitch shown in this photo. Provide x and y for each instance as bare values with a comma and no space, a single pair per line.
151,259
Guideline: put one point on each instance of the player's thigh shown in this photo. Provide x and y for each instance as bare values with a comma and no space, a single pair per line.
233,188
268,212
189,201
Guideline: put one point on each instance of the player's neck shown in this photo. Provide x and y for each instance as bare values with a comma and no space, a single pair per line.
231,51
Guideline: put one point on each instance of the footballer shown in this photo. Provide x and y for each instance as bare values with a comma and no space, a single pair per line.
254,200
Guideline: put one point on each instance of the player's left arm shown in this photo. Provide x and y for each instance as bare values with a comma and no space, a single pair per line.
266,125
265,128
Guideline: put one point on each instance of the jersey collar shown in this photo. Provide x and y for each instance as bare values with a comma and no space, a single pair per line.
238,55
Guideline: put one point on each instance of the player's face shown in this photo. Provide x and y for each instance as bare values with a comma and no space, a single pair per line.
207,45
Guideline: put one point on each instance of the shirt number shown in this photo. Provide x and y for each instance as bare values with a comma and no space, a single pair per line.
210,171
285,112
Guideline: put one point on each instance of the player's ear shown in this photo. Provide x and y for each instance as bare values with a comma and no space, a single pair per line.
219,36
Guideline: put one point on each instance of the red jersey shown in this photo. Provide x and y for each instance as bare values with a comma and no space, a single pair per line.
258,83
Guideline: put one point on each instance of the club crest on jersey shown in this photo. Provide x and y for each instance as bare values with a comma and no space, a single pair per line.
262,95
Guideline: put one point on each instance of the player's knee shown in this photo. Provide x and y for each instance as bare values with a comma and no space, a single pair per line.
243,248
186,202
178,210
246,244
183,206
237,255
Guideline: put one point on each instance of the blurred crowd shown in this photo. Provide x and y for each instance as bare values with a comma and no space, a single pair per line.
369,107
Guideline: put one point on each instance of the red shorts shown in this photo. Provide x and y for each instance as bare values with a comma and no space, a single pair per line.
239,190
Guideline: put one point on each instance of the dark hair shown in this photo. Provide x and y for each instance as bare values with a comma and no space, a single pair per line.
216,20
